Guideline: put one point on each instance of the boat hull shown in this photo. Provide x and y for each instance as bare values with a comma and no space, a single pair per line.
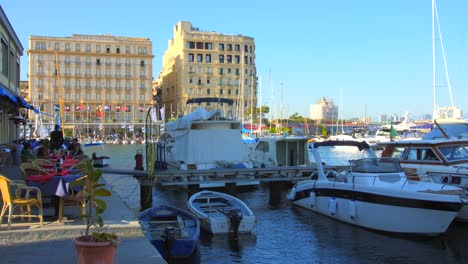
221,225
101,162
155,222
212,207
380,209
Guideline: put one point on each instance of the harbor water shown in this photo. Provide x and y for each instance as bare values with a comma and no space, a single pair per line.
289,234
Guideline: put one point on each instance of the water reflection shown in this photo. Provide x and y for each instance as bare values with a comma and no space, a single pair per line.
288,234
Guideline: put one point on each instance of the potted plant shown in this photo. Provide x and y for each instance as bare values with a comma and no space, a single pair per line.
96,246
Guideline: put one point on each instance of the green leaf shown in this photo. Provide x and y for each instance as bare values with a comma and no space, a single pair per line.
102,192
100,203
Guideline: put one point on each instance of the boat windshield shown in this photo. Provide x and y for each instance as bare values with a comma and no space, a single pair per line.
375,165
340,155
455,152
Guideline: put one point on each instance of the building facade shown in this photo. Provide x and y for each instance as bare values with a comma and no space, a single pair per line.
104,81
208,64
324,109
12,104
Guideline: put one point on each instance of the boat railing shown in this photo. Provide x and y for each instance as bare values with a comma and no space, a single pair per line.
445,179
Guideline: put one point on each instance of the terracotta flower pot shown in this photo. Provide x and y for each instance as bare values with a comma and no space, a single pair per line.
94,252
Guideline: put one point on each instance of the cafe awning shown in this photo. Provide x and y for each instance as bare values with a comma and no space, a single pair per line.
16,99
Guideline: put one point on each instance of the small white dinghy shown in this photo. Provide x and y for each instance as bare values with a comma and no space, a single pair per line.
220,213
101,161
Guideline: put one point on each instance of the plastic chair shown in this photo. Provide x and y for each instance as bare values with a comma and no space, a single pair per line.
75,199
22,197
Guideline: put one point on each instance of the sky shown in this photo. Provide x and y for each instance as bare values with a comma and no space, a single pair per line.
369,57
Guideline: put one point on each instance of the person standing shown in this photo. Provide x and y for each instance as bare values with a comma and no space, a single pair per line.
56,138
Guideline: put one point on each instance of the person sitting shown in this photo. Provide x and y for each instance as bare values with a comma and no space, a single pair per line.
75,148
56,138
27,154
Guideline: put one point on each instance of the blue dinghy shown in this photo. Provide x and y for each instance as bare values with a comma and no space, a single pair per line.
172,231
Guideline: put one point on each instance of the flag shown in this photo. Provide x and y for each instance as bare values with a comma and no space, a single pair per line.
130,127
67,108
143,129
56,108
127,108
88,108
100,126
140,108
99,113
154,114
123,125
117,108
393,133
163,115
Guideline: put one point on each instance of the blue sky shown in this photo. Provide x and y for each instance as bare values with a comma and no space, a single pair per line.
378,53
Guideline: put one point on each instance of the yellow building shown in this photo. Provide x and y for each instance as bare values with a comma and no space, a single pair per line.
208,64
100,78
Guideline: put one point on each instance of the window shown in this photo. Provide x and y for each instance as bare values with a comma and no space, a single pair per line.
229,47
246,48
208,80
208,46
229,82
117,50
190,80
221,91
107,49
229,91
200,70
142,63
98,48
237,71
78,47
190,45
221,71
221,58
98,61
237,59
199,81
208,58
199,45
246,60
208,91
190,57
229,70
4,58
229,59
237,91
199,57
221,46
88,47
237,47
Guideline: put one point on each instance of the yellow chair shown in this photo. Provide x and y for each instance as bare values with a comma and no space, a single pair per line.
22,197
38,162
75,199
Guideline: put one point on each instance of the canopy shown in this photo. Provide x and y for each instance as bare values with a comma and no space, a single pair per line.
16,99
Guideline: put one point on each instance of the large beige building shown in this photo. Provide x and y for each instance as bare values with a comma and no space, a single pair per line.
208,64
324,109
100,78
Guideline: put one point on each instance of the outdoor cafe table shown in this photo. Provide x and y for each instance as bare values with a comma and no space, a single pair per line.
54,184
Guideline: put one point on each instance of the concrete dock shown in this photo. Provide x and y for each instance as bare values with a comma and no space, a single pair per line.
27,242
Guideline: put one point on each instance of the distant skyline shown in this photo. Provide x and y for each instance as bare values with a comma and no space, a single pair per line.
378,53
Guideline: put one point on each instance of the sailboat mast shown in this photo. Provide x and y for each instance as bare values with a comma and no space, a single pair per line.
435,114
260,104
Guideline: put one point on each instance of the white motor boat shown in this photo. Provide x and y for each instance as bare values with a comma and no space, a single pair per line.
205,140
374,192
220,213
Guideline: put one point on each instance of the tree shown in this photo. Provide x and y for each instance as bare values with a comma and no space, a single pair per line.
256,112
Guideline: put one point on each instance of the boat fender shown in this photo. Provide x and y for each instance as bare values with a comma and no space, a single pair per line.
332,206
352,209
292,194
312,197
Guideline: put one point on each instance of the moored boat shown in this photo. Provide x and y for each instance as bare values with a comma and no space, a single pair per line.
375,193
220,213
172,231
